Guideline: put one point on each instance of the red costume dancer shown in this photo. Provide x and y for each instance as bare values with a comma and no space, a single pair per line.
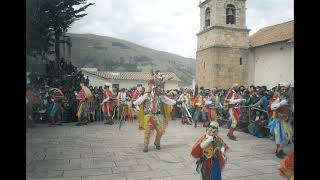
108,105
231,103
210,151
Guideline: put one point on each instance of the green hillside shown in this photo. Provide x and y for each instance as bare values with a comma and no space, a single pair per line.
106,53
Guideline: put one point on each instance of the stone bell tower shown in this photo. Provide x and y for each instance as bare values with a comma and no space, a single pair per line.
223,44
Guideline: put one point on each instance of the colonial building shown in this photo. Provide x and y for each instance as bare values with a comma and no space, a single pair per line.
271,52
225,55
127,80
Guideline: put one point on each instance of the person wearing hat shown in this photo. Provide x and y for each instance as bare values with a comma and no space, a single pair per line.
231,102
198,104
55,113
153,114
210,103
107,104
210,151
278,122
85,97
185,100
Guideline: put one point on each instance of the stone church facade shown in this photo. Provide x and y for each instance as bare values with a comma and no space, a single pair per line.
224,54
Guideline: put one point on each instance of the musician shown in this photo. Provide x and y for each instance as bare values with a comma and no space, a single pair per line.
232,104
210,150
108,104
278,122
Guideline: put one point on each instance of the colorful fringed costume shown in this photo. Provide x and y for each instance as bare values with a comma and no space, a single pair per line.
279,125
85,97
231,103
198,104
108,106
286,168
210,154
153,106
153,116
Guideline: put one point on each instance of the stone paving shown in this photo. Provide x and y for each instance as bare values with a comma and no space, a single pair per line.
101,152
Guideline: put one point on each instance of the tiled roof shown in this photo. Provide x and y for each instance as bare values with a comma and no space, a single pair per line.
129,75
272,34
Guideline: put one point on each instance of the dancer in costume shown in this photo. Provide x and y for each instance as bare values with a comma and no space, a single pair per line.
85,97
210,150
232,104
278,122
153,101
210,103
121,102
185,103
199,113
108,104
286,167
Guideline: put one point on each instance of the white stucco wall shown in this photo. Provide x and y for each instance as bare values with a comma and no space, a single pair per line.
273,64
98,81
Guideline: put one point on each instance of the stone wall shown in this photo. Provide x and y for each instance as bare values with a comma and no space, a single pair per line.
221,36
220,67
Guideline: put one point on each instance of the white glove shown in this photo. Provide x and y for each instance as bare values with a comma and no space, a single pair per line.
283,102
206,142
222,149
137,108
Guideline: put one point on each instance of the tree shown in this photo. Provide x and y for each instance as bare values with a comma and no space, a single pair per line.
48,20
62,14
38,33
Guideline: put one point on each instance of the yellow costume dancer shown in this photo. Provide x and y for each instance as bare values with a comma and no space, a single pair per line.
153,101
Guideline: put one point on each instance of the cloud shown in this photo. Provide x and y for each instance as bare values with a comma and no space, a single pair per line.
168,25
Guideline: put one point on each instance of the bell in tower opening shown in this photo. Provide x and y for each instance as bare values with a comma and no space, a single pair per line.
230,14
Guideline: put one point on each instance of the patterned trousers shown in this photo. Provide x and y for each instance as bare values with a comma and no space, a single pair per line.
152,126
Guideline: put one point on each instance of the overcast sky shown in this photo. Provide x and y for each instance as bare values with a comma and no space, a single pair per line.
168,25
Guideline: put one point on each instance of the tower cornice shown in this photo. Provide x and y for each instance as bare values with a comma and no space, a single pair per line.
222,27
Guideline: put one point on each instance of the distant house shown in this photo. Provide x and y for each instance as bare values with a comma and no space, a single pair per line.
89,69
126,79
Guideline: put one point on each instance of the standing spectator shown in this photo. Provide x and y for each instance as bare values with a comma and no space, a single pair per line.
55,113
108,105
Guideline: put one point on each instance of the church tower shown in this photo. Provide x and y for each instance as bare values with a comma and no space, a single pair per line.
223,44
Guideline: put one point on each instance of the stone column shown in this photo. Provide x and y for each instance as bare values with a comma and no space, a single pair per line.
69,44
